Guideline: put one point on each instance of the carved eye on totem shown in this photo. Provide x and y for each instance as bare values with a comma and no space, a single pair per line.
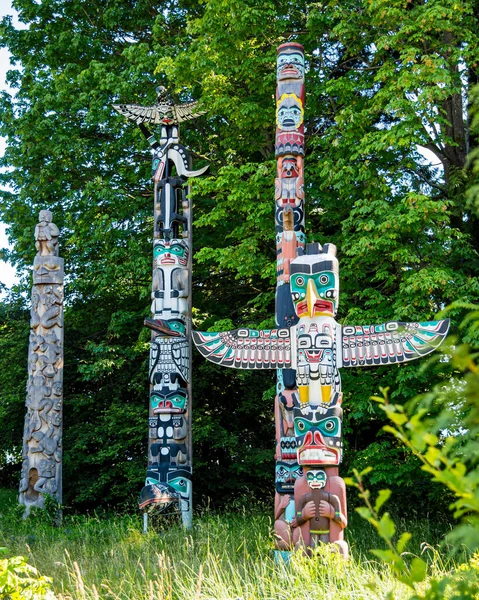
304,341
177,249
330,427
324,279
297,472
179,484
300,281
300,426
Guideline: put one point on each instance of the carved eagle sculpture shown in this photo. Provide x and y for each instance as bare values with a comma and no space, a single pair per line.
372,345
317,346
165,112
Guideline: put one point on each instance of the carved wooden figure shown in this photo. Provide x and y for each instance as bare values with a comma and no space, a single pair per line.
168,479
309,347
321,513
42,441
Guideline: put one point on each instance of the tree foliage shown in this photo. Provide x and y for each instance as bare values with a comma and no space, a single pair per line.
384,80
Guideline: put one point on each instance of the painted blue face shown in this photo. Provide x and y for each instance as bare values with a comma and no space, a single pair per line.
285,475
290,113
290,64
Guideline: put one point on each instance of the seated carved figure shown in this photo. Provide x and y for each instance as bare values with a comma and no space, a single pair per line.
320,512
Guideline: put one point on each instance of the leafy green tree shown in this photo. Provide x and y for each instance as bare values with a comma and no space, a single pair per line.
383,79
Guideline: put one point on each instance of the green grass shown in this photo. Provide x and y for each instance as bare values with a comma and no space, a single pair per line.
225,557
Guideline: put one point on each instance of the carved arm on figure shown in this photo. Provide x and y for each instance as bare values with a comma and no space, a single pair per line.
335,512
282,505
330,510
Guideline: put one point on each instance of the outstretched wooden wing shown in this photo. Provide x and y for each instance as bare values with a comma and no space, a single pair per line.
185,112
392,342
246,348
140,114
169,114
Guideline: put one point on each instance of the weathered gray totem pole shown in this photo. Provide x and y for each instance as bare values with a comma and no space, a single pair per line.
42,440
309,346
168,479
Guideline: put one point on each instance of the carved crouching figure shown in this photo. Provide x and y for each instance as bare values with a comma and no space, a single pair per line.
320,512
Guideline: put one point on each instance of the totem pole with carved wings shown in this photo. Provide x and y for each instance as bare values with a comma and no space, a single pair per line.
309,347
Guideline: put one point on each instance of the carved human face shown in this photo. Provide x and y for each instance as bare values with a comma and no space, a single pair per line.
316,479
318,433
290,113
46,216
290,63
169,253
315,347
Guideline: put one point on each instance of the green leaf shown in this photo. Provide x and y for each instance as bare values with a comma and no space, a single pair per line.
397,418
364,512
383,497
386,527
418,570
402,542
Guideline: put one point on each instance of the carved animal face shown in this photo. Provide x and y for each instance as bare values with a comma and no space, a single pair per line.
285,476
166,401
289,167
180,481
315,284
318,433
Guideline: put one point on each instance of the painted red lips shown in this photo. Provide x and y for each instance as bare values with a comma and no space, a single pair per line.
323,306
167,260
290,71
320,306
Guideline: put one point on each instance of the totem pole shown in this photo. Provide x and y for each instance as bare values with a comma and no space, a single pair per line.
290,239
308,347
168,478
42,440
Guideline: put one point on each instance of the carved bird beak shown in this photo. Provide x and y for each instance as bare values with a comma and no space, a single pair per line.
311,297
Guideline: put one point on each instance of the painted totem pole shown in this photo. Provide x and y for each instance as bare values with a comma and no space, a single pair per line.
290,239
42,440
168,478
308,347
